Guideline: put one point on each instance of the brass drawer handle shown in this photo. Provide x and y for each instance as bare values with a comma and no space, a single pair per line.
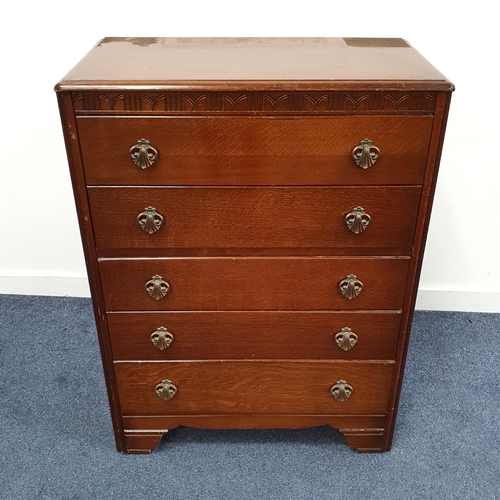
157,288
366,154
357,220
161,338
150,220
350,287
346,339
166,390
341,391
143,154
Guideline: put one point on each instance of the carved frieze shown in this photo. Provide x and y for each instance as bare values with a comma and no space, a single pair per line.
254,102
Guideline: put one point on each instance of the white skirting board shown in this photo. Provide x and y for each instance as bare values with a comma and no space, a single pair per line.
77,286
455,300
58,286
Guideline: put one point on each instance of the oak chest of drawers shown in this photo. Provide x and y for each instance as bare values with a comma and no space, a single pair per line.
253,214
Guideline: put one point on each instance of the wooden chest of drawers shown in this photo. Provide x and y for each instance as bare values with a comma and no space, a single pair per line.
253,214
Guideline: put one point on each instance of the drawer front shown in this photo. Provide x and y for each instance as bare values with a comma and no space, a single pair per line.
238,387
253,335
233,217
252,283
255,150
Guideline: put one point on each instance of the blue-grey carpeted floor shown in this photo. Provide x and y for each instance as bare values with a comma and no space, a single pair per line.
57,443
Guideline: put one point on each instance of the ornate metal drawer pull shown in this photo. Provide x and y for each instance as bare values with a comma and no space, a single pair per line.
157,288
143,154
357,220
346,339
166,390
161,338
150,220
341,391
350,287
366,154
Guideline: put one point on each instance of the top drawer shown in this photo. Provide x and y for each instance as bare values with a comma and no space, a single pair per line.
242,150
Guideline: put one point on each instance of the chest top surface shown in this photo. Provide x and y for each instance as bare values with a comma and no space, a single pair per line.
259,63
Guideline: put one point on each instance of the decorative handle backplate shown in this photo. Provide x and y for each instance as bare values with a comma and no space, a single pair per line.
366,154
350,287
161,338
150,220
157,288
341,391
143,154
166,390
357,220
346,339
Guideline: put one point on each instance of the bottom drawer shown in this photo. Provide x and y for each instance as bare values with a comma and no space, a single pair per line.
253,387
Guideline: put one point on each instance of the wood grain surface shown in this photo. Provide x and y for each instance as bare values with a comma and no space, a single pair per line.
254,217
249,150
254,335
234,387
288,283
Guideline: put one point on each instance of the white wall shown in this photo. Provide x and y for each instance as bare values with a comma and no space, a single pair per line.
40,249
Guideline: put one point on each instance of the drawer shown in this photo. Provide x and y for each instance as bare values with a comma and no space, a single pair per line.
253,335
234,217
253,283
257,387
250,150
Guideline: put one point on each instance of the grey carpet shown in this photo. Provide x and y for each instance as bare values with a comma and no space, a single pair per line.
56,439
